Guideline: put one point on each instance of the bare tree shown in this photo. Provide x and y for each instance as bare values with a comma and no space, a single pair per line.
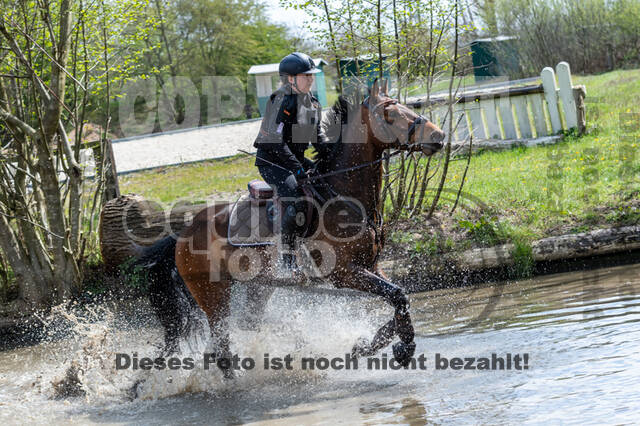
51,60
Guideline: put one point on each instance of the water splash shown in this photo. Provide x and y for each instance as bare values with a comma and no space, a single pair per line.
295,323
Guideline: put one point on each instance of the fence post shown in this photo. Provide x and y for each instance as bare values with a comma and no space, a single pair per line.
477,125
520,103
489,107
579,93
111,186
551,95
539,119
566,94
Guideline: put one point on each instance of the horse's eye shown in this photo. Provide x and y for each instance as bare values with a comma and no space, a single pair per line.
389,117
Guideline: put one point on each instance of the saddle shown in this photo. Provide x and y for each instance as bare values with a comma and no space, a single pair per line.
253,218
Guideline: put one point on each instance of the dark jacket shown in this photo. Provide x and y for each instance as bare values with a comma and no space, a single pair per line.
291,122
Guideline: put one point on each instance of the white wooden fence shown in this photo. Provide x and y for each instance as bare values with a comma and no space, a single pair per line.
513,113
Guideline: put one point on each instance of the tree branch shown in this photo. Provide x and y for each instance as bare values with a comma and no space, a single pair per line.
33,223
16,122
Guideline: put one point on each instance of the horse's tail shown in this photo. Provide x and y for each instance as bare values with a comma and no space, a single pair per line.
168,293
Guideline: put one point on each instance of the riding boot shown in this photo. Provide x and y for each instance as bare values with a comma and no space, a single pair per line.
288,260
288,267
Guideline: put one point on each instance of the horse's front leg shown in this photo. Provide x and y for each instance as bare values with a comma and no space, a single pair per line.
401,323
256,300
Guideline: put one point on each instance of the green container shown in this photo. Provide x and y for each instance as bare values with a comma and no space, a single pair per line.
369,72
495,57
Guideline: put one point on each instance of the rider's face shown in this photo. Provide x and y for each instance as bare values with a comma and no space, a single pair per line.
302,82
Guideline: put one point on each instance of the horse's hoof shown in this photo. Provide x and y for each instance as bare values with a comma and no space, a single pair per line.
361,348
133,392
403,352
228,374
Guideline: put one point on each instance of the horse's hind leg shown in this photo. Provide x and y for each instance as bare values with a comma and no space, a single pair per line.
173,305
400,324
214,299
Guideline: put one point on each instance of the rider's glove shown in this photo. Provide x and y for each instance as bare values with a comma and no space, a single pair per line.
291,182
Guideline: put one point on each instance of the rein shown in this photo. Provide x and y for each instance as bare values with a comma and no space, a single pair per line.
376,223
351,169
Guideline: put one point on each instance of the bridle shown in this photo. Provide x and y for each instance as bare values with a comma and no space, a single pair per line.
420,119
382,124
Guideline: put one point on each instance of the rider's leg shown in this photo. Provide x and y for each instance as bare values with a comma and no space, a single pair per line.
276,177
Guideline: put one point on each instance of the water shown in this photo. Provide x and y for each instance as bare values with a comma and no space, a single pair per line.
580,330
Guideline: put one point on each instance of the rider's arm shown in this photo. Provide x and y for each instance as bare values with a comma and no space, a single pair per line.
270,136
321,136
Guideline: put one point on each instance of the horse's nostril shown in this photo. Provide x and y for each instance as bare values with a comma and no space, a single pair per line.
437,137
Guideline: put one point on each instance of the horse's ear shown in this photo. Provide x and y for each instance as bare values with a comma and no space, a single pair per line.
375,90
385,87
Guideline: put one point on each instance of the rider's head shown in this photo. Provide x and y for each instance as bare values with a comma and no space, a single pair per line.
297,69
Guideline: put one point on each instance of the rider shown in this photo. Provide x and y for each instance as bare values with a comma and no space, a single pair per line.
291,122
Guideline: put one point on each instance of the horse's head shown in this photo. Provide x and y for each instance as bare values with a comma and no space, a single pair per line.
394,125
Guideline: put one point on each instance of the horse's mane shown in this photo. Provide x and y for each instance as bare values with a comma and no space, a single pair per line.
331,124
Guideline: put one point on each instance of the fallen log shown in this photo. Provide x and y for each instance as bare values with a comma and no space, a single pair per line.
564,247
571,246
130,222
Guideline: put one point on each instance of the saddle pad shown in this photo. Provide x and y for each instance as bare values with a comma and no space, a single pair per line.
249,224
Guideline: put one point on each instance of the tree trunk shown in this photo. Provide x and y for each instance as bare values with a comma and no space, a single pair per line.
129,223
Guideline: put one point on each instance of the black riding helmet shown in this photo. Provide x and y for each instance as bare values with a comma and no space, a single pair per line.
297,63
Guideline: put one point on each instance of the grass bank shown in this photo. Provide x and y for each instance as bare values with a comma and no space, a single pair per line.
519,195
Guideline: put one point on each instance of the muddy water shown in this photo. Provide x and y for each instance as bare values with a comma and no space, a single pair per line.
581,332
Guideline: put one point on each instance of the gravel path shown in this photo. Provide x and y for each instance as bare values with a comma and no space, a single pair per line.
185,146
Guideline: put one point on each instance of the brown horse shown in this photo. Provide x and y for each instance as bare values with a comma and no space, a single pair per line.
346,234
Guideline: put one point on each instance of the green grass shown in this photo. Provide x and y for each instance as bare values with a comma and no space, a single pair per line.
194,181
579,184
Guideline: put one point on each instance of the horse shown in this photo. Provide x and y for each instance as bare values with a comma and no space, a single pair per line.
200,267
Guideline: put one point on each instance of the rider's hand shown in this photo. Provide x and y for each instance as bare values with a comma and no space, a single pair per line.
291,182
294,180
